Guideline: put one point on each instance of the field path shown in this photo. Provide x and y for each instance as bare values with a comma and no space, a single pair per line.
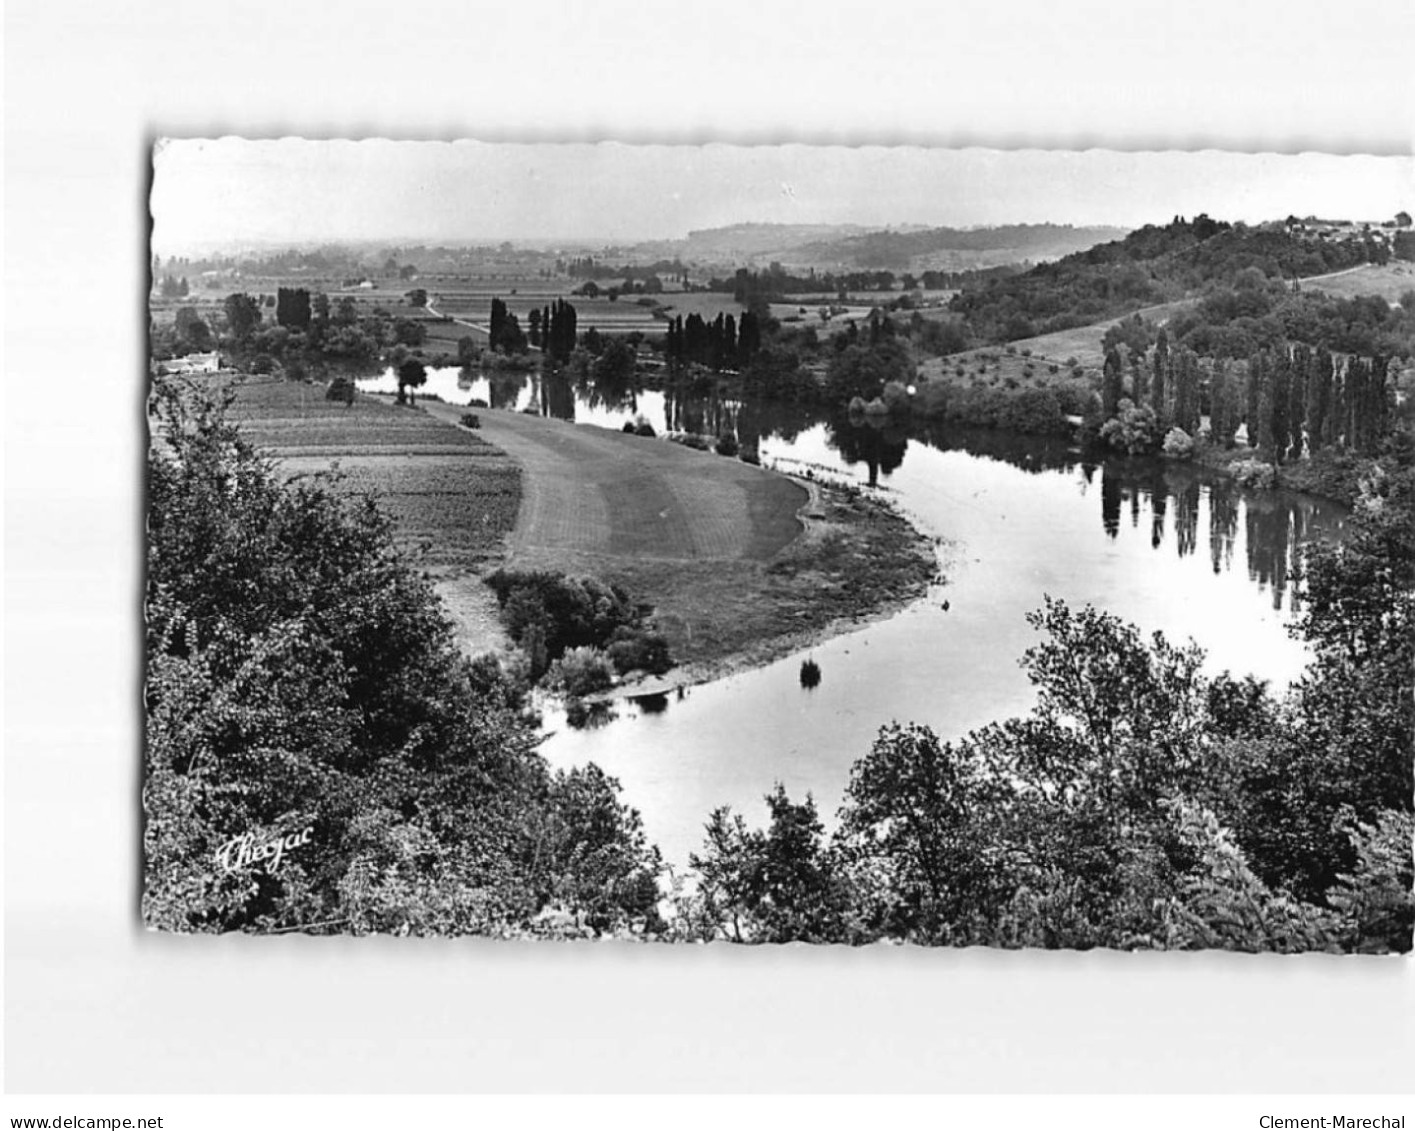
590,494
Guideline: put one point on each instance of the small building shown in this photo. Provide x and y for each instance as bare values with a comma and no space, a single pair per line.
194,363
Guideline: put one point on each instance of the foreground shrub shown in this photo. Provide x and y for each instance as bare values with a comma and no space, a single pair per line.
303,686
726,445
340,389
470,420
810,674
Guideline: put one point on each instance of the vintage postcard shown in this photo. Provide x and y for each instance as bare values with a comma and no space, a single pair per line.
780,544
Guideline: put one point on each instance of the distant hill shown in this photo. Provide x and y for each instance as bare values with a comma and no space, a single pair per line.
744,244
954,248
1156,265
907,247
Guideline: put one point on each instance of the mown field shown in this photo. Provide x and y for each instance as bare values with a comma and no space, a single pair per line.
1390,282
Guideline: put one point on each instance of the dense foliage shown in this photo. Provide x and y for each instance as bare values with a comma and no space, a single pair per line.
1141,804
548,614
1149,266
302,683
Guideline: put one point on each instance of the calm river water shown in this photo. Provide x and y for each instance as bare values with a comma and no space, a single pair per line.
1165,546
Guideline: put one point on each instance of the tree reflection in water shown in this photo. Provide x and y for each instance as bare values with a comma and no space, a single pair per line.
1274,523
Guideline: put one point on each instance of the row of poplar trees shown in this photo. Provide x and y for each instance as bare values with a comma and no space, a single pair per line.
553,329
724,343
1291,397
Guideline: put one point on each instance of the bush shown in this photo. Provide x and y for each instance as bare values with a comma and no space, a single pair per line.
896,396
1178,444
1132,430
628,427
470,420
263,364
632,650
340,389
580,671
643,428
549,614
727,444
810,674
1253,473
477,402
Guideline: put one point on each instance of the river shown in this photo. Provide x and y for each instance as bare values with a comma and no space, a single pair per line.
1166,546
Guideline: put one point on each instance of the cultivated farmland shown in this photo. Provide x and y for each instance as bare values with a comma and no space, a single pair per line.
1390,281
453,497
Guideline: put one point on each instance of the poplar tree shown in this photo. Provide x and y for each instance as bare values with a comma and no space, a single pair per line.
1253,398
1159,388
1297,397
1281,385
1338,422
1186,390
1138,384
1223,405
1319,400
1112,384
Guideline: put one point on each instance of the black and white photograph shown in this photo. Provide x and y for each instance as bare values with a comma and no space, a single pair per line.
749,564
791,543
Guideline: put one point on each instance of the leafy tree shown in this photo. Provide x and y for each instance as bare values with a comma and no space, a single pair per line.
292,307
409,332
781,885
242,316
192,330
926,815
301,675
1133,430
412,374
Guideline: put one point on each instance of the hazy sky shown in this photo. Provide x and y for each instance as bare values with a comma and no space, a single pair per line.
232,190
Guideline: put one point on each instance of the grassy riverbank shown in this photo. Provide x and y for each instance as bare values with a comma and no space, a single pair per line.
740,564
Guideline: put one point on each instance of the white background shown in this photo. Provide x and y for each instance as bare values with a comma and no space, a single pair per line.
94,1004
